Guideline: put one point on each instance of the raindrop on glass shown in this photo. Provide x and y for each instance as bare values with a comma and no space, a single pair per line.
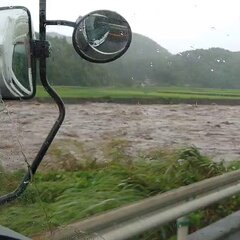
181,161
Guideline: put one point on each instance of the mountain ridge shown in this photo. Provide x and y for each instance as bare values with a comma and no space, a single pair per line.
146,62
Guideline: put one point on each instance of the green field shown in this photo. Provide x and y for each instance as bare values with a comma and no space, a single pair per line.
169,95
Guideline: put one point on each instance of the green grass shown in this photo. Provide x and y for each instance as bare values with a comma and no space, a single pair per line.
59,197
145,95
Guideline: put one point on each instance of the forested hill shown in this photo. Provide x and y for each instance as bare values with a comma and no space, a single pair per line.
145,63
214,67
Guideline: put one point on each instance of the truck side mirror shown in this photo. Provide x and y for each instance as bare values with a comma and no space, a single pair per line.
17,64
101,36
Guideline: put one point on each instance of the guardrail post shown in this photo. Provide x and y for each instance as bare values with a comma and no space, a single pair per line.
182,228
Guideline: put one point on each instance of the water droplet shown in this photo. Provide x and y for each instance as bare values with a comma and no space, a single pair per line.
121,33
212,70
199,57
218,60
151,64
223,61
181,161
158,50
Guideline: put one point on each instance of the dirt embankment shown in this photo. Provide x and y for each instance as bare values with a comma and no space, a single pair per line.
213,129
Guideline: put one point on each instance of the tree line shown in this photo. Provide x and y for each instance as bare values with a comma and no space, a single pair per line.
146,63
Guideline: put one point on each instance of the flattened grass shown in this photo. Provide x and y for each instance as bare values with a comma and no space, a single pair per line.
59,197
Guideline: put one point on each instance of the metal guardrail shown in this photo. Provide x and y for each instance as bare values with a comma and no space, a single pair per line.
132,220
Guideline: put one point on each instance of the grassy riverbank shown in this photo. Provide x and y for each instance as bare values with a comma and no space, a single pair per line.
75,191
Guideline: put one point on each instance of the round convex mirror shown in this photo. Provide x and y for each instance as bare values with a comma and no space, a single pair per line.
102,36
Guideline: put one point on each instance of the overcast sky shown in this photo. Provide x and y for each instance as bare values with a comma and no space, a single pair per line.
176,25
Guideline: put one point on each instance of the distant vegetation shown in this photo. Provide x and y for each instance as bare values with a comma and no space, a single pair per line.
145,64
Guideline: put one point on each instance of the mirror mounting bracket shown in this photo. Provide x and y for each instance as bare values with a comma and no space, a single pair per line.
41,49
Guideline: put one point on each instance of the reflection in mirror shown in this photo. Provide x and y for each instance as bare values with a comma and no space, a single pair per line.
102,36
16,78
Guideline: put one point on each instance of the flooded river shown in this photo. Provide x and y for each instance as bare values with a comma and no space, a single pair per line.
214,129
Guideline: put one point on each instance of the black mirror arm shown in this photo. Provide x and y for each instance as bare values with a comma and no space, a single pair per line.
60,22
43,76
38,159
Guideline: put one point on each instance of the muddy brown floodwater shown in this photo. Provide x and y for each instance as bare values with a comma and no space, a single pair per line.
214,129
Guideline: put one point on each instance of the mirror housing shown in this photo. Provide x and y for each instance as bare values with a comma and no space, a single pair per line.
17,64
101,36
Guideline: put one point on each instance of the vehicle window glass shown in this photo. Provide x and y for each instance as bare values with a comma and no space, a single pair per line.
164,115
